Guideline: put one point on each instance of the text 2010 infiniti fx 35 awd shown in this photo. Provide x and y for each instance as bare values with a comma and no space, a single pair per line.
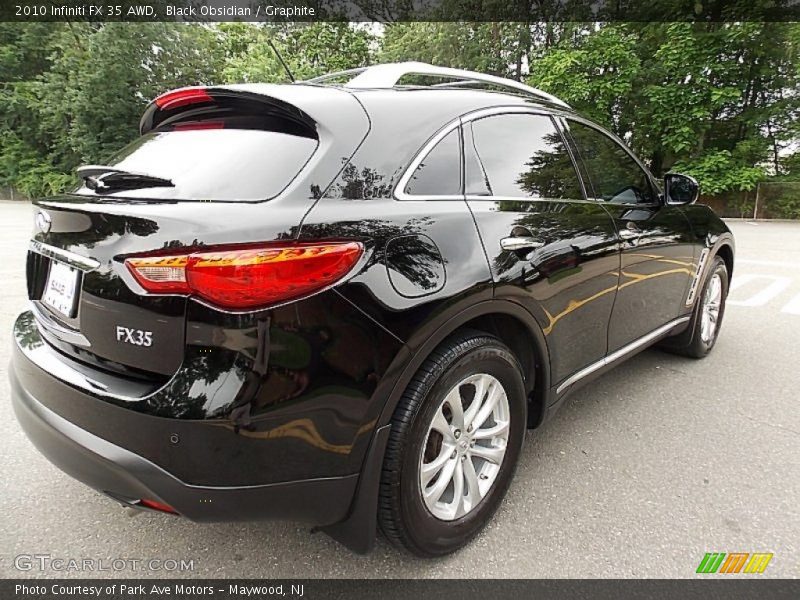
344,301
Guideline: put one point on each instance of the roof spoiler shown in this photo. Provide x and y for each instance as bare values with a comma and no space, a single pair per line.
196,103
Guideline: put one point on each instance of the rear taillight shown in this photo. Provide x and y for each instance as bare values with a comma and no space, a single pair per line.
247,276
183,97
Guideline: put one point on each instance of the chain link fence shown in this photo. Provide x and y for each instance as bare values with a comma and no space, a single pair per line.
8,193
770,200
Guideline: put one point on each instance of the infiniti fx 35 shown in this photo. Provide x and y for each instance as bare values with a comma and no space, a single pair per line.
344,301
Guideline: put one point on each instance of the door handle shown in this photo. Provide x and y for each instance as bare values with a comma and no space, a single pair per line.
520,243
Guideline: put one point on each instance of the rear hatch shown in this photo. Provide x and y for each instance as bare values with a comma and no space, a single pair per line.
213,167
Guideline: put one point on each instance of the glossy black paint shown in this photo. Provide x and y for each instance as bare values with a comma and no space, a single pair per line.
285,397
657,267
568,284
128,477
293,395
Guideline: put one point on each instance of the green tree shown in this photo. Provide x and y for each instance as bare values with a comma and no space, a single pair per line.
715,100
103,79
74,93
309,49
25,55
719,101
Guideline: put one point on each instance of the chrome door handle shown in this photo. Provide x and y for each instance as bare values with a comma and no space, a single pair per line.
520,243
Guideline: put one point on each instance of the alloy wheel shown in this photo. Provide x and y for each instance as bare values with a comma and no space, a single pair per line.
710,309
464,447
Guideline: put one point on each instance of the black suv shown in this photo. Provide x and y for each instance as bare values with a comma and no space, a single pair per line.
345,300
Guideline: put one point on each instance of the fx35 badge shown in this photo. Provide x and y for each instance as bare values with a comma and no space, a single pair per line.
137,337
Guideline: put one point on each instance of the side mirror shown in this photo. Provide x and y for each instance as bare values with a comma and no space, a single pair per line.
680,189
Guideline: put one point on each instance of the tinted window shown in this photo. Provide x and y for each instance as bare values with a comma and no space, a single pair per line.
439,173
614,174
214,164
523,156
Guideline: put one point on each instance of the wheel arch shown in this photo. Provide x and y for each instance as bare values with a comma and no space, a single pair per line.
725,252
509,322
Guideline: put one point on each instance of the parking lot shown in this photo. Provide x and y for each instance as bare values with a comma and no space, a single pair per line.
643,471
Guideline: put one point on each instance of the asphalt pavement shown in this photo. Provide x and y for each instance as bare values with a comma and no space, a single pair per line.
642,473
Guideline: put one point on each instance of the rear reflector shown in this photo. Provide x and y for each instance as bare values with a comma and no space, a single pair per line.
183,97
155,505
247,276
198,125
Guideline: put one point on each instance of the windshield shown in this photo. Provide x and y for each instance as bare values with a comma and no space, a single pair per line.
213,164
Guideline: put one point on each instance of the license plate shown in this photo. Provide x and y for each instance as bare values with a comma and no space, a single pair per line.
61,290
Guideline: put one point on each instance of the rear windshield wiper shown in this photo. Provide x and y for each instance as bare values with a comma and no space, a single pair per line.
101,178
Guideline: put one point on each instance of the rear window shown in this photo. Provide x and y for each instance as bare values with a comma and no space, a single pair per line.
213,164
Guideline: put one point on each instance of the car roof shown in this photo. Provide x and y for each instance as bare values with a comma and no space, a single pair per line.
393,75
460,99
324,102
378,85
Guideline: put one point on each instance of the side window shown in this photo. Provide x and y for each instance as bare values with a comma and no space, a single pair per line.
614,174
521,156
439,173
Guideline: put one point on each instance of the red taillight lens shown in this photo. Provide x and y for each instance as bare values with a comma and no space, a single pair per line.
155,505
182,97
248,277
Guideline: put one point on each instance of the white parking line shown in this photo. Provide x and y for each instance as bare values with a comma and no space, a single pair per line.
761,297
768,263
793,307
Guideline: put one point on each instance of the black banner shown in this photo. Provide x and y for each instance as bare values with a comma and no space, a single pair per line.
720,588
400,10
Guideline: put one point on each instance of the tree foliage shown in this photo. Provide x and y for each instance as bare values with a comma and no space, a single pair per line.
309,50
718,101
82,96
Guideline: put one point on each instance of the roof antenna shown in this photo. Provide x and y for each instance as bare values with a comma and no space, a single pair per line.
280,58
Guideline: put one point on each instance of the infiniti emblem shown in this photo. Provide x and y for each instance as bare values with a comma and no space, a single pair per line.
43,221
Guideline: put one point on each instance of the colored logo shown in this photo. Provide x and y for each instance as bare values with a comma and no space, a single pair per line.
734,562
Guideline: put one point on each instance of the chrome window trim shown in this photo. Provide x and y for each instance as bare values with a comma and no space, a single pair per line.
83,263
422,154
620,142
471,197
405,178
618,354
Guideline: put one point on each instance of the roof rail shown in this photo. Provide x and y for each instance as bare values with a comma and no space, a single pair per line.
387,75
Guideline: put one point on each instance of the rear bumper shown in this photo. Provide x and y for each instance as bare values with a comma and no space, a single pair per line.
122,474
128,476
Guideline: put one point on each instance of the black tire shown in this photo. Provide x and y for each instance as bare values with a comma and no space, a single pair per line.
404,518
690,342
